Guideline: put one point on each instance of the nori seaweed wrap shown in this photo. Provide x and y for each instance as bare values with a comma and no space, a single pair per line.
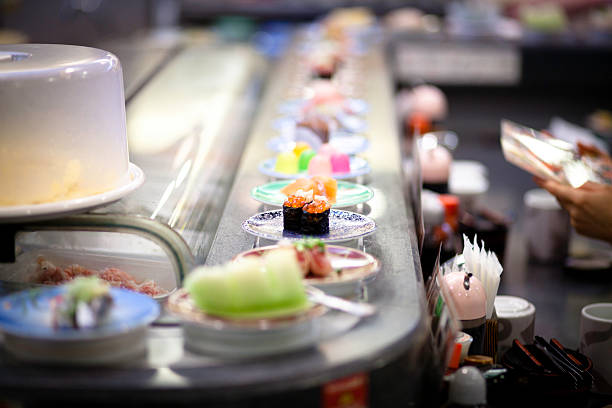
315,217
292,212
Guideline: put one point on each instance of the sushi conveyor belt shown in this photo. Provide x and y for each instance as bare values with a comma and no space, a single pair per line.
387,348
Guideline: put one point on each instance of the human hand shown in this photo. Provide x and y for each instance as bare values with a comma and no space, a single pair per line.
589,206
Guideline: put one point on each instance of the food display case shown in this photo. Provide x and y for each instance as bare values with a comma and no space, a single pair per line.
198,128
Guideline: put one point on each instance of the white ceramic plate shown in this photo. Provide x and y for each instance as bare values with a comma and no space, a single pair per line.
240,338
343,226
56,209
359,167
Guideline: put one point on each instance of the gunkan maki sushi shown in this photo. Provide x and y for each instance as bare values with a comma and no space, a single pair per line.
292,211
315,216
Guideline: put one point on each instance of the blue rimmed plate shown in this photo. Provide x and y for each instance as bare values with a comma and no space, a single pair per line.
343,226
358,165
25,320
28,314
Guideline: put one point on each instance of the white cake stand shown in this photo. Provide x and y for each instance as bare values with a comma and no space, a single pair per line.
56,209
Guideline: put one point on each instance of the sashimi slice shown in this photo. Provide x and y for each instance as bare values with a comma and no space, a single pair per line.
299,184
329,187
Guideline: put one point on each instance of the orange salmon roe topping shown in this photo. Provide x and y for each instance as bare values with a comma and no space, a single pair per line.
317,207
295,201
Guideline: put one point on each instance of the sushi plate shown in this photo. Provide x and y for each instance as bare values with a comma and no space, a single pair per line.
294,106
359,167
246,338
343,142
346,122
353,268
352,123
25,320
343,226
349,194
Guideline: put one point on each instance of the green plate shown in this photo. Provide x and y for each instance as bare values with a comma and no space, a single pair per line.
349,194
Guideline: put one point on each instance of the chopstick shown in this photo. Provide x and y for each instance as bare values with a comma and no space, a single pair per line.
559,364
526,352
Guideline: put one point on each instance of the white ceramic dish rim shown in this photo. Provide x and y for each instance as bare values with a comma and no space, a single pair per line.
19,213
180,306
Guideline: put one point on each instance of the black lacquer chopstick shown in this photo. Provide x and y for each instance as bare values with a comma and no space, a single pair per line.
558,349
561,365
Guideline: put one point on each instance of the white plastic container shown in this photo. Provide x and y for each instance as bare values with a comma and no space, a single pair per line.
63,132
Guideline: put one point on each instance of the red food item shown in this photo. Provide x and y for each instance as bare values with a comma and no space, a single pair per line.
313,257
318,124
304,259
320,264
317,207
295,201
49,274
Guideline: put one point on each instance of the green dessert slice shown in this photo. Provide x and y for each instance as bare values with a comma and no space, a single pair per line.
250,287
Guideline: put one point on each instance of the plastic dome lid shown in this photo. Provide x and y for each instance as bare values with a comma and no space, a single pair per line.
58,61
512,306
468,295
468,387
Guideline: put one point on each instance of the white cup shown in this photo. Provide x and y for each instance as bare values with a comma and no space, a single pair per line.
546,227
466,341
515,320
596,337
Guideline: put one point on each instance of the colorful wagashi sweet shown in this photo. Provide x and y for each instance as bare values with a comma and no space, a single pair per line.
320,165
286,162
340,163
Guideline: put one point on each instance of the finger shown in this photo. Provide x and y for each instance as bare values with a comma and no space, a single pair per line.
566,205
538,180
563,193
591,186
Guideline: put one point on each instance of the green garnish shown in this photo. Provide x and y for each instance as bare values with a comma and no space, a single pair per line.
309,243
85,289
